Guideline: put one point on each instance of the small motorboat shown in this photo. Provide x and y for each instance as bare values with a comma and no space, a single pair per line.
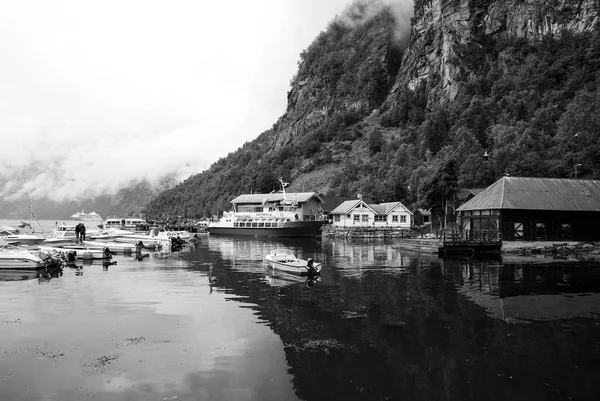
77,252
120,247
285,260
15,258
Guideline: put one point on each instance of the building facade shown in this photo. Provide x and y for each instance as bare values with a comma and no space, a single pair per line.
358,213
534,209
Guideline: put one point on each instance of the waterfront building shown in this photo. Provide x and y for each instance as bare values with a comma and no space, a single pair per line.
533,209
358,213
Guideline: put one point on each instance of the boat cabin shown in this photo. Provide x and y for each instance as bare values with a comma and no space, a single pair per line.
126,223
302,206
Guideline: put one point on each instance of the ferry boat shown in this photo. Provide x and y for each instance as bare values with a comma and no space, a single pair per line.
129,223
86,216
271,215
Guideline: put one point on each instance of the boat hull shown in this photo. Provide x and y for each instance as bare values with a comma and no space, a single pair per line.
293,229
295,266
18,262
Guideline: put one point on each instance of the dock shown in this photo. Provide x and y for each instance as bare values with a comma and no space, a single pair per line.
455,246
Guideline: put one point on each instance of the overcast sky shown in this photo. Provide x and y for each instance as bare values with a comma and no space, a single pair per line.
95,93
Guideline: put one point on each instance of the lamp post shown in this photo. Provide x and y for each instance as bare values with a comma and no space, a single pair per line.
577,165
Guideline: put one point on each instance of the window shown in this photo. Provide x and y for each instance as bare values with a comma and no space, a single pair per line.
336,217
356,218
380,218
540,231
365,218
566,231
403,218
395,218
518,230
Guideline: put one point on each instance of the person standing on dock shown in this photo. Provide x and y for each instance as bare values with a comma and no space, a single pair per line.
82,232
77,231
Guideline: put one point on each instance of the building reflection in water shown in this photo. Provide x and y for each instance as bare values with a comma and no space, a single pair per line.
385,323
531,291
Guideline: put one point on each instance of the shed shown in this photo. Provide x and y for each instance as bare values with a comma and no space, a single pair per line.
530,209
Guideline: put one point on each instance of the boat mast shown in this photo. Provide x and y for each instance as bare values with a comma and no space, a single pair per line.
283,185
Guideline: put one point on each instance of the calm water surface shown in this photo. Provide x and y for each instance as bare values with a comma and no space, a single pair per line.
382,323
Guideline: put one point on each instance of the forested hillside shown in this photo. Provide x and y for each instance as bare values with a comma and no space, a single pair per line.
409,118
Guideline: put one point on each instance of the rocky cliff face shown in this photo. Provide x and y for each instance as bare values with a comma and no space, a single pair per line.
444,30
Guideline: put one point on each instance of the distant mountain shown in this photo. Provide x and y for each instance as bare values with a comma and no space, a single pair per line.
128,201
409,116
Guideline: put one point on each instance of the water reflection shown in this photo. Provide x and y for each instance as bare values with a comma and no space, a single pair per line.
530,291
386,323
216,322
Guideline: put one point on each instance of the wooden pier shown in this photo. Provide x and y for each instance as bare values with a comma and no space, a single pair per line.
455,246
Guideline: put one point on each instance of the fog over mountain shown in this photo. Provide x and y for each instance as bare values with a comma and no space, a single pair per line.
97,95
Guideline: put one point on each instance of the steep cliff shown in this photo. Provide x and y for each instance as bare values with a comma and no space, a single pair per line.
445,31
385,108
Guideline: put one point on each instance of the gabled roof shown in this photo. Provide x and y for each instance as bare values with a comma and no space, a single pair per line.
379,209
348,206
276,197
388,207
538,194
331,202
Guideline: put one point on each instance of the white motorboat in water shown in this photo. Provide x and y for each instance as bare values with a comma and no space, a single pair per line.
285,260
77,252
12,235
19,259
120,247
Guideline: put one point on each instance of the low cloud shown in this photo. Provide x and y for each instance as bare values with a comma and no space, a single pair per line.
360,11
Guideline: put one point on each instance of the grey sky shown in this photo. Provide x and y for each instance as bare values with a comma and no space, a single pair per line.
96,93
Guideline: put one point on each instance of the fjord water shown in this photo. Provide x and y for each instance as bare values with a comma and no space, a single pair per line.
213,322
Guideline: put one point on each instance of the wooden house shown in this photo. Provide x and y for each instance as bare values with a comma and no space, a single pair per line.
530,209
359,213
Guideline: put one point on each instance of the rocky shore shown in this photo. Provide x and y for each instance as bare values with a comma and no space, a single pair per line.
554,249
570,250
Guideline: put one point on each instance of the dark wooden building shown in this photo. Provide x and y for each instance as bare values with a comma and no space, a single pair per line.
422,217
534,209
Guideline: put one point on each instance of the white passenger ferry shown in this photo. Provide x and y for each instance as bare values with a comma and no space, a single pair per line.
128,223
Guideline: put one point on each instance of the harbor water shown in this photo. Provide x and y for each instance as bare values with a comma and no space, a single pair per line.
214,322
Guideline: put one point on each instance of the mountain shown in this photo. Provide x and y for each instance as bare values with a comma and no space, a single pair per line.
400,109
126,201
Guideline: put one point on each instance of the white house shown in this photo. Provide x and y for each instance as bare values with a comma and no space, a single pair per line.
358,213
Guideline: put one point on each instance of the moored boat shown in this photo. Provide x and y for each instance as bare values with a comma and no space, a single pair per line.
120,247
19,259
77,252
285,260
272,215
13,236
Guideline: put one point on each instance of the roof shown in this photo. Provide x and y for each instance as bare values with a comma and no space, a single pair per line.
388,207
380,209
331,202
276,197
538,194
424,212
346,206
